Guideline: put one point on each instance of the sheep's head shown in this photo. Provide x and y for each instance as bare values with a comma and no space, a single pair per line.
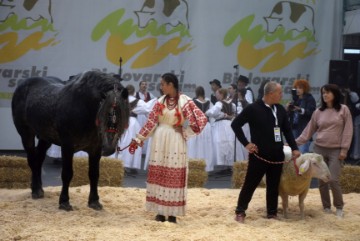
315,164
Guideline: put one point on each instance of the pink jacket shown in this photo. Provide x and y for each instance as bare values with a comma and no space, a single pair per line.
334,129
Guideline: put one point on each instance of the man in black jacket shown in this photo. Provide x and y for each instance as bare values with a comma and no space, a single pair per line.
215,85
243,83
268,123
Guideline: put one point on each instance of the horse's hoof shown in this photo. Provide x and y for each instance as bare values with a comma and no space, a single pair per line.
37,194
66,206
95,205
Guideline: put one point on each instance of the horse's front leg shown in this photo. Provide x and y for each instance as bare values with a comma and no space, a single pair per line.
66,176
94,165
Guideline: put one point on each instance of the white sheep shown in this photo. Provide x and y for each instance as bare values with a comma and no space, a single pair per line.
308,165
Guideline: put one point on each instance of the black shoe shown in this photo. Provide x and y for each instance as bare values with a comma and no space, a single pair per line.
172,219
160,218
272,216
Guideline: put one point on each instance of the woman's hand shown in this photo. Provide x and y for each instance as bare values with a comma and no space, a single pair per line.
178,129
342,157
135,143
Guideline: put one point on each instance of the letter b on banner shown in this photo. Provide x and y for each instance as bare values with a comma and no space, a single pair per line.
339,71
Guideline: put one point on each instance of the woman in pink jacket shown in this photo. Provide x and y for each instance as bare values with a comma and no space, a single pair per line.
332,123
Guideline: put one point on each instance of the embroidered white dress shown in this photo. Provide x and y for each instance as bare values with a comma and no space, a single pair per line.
200,146
223,136
168,163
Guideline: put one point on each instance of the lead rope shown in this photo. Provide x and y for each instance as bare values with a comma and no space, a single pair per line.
263,159
132,147
283,162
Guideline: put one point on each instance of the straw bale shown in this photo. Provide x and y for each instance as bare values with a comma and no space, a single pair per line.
239,173
197,176
14,172
111,172
13,161
15,185
350,179
11,174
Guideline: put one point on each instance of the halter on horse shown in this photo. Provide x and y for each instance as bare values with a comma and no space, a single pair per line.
88,113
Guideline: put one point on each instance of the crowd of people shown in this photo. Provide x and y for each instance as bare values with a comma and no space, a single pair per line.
234,125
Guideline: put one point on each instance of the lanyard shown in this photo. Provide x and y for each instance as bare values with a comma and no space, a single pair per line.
274,113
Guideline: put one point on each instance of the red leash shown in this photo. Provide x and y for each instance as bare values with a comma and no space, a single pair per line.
132,147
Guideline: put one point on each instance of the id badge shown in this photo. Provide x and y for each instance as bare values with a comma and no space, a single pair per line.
277,134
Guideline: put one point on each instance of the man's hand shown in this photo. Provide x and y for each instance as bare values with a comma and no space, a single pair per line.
295,154
252,148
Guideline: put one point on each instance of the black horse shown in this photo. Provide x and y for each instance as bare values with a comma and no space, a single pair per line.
89,113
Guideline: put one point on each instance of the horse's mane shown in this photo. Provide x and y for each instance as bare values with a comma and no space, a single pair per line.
98,80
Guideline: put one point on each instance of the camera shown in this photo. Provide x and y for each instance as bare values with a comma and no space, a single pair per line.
294,95
291,107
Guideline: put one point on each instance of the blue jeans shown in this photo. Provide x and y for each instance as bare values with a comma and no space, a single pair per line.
303,148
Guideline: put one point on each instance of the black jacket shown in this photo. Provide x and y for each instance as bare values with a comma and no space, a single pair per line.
309,105
262,122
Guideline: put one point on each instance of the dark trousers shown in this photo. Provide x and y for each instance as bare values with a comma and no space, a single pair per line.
256,170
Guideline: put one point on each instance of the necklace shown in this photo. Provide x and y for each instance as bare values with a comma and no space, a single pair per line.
171,102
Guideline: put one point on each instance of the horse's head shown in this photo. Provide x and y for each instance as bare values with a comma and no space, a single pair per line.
113,118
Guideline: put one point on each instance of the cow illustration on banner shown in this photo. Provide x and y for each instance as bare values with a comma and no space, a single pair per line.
291,16
288,32
172,12
25,26
162,30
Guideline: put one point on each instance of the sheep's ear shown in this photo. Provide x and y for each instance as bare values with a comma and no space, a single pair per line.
304,167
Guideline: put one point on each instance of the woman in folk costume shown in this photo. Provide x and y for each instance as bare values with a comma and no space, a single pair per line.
222,135
200,146
173,118
241,153
137,107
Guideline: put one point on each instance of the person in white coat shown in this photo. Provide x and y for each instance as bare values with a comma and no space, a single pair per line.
222,135
146,96
200,146
241,153
137,107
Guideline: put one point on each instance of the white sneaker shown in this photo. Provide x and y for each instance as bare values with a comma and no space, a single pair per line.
339,213
327,210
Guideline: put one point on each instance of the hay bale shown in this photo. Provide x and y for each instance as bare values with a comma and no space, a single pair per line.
14,172
15,185
239,173
197,175
13,161
111,172
350,179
